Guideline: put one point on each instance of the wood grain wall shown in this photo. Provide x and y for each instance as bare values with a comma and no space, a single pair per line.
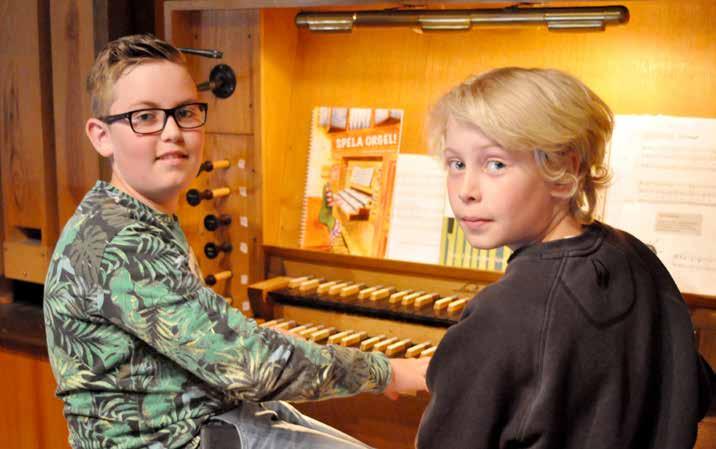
31,416
75,41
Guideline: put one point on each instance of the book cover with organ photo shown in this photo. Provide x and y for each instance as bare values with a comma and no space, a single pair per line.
349,184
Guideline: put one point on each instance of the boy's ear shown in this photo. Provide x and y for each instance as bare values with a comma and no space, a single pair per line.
568,189
98,134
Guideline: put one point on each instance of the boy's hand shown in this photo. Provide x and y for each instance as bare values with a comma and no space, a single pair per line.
408,377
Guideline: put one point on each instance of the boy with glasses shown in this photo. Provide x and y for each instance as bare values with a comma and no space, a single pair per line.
145,355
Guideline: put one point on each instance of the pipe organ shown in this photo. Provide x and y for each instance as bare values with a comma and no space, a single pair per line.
242,214
282,72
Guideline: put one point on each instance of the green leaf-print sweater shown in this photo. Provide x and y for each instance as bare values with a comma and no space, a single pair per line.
144,353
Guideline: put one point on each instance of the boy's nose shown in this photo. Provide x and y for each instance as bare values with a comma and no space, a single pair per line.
469,190
171,130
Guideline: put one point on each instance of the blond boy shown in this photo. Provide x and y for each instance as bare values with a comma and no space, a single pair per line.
585,342
145,355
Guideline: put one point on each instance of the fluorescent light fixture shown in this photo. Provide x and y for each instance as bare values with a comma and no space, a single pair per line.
557,18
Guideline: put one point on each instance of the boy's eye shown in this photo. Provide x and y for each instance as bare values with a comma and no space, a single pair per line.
145,116
455,164
494,166
186,112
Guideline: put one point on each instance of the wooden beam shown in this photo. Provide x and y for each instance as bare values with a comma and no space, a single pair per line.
26,132
74,45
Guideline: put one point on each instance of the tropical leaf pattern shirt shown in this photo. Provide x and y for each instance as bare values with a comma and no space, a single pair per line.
144,353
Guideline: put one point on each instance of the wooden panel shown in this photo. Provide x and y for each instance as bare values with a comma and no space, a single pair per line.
6,296
32,415
704,320
73,50
707,433
661,62
2,227
26,134
277,65
26,260
232,32
373,419
243,229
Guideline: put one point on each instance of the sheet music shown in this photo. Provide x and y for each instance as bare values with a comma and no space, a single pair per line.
417,211
664,192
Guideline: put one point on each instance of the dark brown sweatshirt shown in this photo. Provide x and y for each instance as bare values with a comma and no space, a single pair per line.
584,343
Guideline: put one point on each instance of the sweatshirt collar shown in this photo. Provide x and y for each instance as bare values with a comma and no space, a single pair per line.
584,242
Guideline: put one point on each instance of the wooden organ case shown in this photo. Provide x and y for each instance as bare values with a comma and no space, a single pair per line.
262,130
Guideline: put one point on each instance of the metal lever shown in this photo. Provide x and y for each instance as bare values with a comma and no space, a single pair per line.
214,54
222,81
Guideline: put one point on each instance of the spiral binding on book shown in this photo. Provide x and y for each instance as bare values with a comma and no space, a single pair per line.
304,206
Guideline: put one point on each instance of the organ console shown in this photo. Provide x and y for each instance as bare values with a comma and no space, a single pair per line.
399,308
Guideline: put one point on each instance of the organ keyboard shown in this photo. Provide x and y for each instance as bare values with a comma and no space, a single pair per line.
399,308
390,346
402,309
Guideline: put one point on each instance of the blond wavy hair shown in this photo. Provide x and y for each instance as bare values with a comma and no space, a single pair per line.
119,56
546,111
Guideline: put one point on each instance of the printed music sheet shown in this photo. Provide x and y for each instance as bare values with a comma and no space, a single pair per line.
664,192
417,214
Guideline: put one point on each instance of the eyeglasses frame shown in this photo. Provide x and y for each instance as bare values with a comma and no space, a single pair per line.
109,119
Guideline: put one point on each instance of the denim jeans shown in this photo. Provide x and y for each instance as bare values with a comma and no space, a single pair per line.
278,425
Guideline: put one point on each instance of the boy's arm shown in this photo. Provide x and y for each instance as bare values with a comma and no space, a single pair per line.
151,293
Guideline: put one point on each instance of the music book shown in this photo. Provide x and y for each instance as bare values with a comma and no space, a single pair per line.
349,184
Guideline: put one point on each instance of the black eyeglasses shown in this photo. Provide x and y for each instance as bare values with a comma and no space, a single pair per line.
153,120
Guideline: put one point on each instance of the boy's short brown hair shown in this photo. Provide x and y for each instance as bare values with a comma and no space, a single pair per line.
120,55
545,111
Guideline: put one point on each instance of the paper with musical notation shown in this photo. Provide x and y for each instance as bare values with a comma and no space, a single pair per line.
664,192
417,212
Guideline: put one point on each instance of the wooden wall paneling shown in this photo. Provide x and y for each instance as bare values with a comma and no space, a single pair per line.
32,415
706,434
661,62
279,40
74,45
373,419
2,227
255,171
704,320
27,142
51,420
